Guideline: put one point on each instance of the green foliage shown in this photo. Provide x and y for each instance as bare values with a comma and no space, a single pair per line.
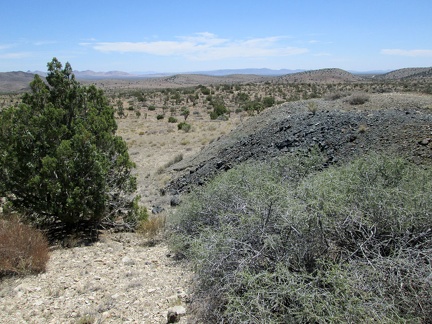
204,90
160,117
268,101
242,97
184,126
294,242
219,109
172,119
253,106
120,108
59,156
312,107
185,112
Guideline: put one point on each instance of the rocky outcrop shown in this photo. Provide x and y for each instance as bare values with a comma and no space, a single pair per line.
341,134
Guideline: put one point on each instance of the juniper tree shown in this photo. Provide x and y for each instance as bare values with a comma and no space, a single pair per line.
60,159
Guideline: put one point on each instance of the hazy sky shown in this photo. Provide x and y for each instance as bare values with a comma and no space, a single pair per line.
189,35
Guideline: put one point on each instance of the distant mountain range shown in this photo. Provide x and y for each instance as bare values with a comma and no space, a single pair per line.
88,74
263,72
18,81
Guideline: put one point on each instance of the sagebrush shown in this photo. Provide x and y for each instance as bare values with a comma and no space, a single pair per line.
295,241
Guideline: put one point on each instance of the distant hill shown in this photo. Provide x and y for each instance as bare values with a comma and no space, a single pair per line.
92,75
16,81
196,79
407,73
88,74
323,75
261,72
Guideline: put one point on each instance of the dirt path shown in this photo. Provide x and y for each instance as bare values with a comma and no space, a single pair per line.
117,280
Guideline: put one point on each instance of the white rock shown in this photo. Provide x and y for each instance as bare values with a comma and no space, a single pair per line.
128,261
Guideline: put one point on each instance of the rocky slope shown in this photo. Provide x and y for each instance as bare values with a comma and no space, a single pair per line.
395,122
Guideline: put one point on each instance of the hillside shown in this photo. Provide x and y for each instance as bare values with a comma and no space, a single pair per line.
397,122
16,81
197,79
407,73
322,75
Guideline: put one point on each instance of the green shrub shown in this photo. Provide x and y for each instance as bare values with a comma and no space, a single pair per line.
219,109
152,108
160,117
205,91
294,242
172,119
184,126
268,101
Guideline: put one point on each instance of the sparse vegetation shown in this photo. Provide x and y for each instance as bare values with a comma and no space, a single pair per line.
358,99
152,227
312,107
362,128
335,95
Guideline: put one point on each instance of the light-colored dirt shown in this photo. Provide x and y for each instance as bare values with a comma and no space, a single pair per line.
153,144
116,280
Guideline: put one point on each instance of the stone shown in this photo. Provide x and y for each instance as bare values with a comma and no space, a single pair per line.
425,141
157,209
175,313
175,201
128,261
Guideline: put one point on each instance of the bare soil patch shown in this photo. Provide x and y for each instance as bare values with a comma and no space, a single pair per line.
117,280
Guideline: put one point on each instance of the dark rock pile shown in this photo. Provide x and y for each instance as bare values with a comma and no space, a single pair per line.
341,134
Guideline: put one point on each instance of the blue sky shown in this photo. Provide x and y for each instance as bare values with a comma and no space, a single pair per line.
189,35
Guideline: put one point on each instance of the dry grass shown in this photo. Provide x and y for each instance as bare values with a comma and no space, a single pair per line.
152,227
362,128
23,249
358,99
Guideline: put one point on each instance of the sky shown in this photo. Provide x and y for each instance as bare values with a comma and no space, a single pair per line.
172,36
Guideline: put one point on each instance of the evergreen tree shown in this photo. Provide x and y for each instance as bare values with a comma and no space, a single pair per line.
60,159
